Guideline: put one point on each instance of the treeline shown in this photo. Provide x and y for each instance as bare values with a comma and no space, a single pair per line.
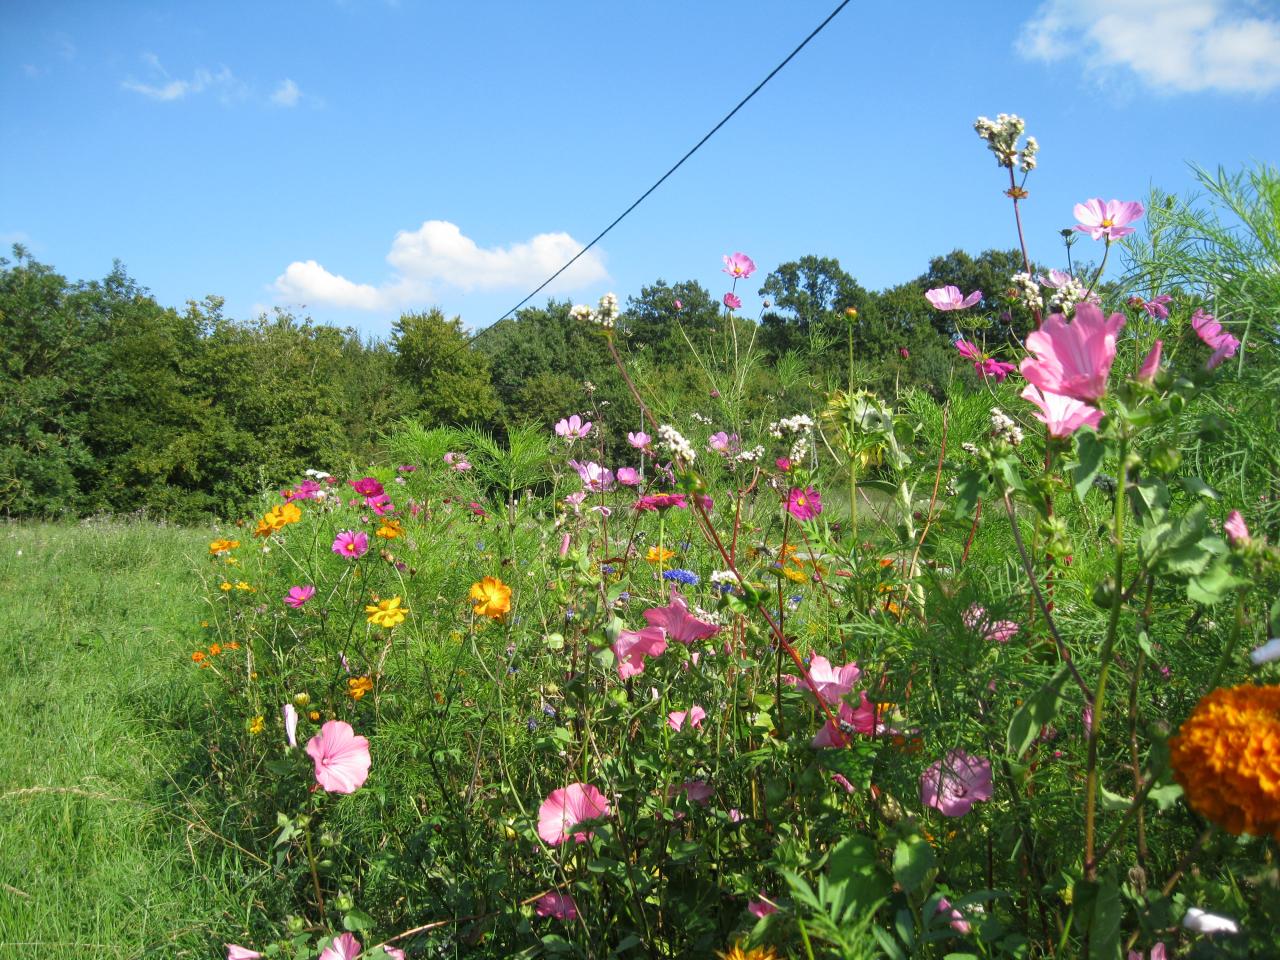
111,402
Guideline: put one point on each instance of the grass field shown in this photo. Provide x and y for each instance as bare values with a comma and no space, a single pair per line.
101,854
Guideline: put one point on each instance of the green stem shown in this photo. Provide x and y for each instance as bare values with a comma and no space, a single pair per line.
315,874
1229,650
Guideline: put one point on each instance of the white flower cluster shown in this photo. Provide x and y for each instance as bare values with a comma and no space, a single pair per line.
800,423
605,315
1068,295
1026,289
799,449
580,311
750,456
671,439
317,474
1002,428
1002,136
722,577
699,418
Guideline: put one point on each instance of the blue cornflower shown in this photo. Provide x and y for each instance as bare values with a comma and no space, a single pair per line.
606,568
687,577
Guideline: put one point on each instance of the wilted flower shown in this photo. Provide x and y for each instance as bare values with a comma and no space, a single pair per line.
1151,365
290,713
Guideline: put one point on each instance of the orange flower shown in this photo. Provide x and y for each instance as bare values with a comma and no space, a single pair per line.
278,517
218,547
357,687
233,645
314,716
492,598
197,656
390,529
1227,758
214,649
658,554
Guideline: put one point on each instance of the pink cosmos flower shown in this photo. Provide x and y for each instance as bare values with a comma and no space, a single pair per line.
1209,330
832,682
762,907
739,266
953,785
290,724
366,487
732,301
307,490
1062,415
1107,220
804,504
1157,307
968,350
297,596
783,464
461,466
573,428
628,476
595,478
575,499
679,305
678,623
725,444
983,365
1000,631
352,544
1236,530
1151,365
567,807
860,719
958,923
1055,279
950,298
632,646
1074,359
237,952
695,715
560,906
640,440
345,947
341,757
381,504
660,501
1158,952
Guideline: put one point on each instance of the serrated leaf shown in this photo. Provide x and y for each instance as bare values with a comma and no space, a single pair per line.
1039,709
1166,796
1090,451
1214,585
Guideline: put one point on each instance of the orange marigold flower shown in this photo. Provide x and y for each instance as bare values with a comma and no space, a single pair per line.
492,598
314,716
736,952
1227,758
214,649
357,687
197,656
795,574
390,529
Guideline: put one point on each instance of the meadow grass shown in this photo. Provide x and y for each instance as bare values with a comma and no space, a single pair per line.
102,853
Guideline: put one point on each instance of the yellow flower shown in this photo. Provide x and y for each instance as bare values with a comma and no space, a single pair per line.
357,687
659,554
314,716
387,613
390,529
218,547
492,598
278,517
795,574
302,699
244,585
755,953
257,725
224,586
1227,758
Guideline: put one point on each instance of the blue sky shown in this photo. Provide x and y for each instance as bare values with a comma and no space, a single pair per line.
363,158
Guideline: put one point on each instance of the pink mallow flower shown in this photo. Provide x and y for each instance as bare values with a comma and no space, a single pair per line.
632,646
297,596
1236,530
950,298
237,952
1108,220
1000,631
694,715
565,808
352,544
739,266
341,757
804,504
1208,329
832,682
958,923
1063,416
678,623
953,785
395,953
732,301
1074,359
860,719
345,947
573,428
559,906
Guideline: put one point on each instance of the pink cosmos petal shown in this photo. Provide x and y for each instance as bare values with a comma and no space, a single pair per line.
560,906
341,757
678,623
1062,415
594,477
971,299
732,301
953,785
832,682
345,947
1151,365
996,369
950,298
237,952
565,808
366,487
1236,530
1074,360
842,782
632,646
573,428
739,266
639,440
968,350
1107,221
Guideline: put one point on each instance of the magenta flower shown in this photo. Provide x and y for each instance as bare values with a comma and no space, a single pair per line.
1107,220
783,464
679,305
573,428
639,440
762,907
983,365
842,782
297,596
953,785
832,682
698,791
290,724
950,298
237,952
1158,952
660,501
804,504
968,350
381,504
860,719
307,490
560,906
1151,365
1062,415
904,353
594,477
352,544
739,266
632,646
366,487
694,715
1209,330
732,301
1236,530
565,808
1074,359
958,923
341,757
628,476
678,623
345,947
1157,307
976,619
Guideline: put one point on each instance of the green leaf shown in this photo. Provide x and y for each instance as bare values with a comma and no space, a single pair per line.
970,485
1100,911
1039,709
1198,488
1113,801
913,861
1149,498
855,879
1090,451
356,920
1166,796
1214,585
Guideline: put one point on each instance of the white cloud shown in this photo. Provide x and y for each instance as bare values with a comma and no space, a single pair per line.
287,94
438,254
166,88
1171,45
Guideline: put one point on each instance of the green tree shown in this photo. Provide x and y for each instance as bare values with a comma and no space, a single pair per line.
448,379
808,298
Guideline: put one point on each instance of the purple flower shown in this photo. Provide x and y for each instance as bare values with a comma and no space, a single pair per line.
352,544
297,596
